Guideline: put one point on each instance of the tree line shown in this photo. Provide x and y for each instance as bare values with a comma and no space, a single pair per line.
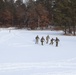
39,13
64,14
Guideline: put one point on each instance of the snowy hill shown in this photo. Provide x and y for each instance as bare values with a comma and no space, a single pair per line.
19,55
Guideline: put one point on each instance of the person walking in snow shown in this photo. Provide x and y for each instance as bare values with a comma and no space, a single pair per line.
37,39
47,39
57,40
52,41
42,40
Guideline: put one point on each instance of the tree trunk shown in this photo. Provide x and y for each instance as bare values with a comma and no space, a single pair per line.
70,31
74,29
65,30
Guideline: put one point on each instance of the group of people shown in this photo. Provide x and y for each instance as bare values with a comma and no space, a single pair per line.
47,40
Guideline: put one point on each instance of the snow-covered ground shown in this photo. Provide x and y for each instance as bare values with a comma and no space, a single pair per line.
19,55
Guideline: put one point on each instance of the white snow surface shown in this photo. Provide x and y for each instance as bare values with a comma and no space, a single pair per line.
19,55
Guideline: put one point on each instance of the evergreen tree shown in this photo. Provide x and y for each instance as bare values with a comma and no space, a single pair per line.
64,13
19,2
1,11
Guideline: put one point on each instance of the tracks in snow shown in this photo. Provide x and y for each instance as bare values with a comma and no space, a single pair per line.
17,66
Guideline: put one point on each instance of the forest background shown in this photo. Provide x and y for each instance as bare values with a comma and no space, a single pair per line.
39,14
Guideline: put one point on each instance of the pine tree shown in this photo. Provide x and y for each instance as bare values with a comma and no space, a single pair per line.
64,14
1,11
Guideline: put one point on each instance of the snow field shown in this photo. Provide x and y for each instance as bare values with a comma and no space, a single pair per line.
19,55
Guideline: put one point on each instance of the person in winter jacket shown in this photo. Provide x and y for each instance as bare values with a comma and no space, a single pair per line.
57,40
52,41
37,39
47,39
42,40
